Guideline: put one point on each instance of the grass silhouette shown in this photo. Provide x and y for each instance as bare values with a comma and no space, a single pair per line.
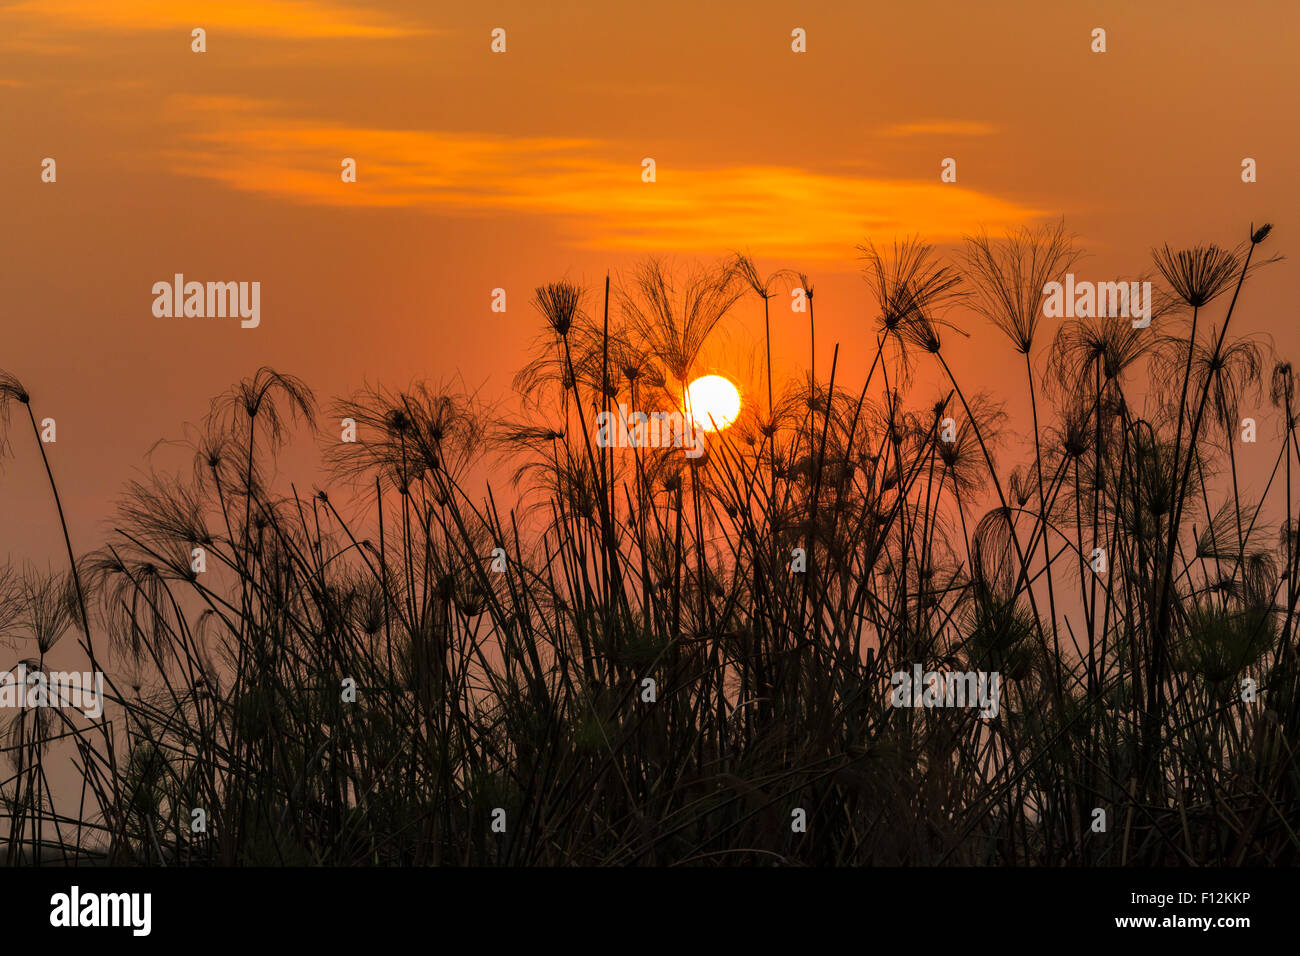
501,654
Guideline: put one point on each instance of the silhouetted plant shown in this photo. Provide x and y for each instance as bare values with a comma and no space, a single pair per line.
645,658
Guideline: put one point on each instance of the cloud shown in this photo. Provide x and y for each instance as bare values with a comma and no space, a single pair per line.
283,18
940,128
592,190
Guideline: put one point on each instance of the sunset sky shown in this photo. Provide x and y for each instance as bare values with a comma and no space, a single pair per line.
479,170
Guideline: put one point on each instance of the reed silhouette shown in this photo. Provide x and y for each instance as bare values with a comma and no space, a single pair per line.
502,637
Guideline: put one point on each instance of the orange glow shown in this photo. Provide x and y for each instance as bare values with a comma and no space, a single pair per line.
289,18
597,201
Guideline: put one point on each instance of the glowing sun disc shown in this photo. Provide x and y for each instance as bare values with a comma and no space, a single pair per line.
714,402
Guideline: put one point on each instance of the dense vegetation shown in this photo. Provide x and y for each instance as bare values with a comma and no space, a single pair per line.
501,636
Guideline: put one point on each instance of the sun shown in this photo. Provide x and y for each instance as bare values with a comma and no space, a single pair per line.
714,401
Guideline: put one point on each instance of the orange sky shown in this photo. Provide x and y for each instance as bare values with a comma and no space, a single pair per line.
479,170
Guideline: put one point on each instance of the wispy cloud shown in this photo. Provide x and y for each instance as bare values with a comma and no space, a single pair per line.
284,18
940,128
592,190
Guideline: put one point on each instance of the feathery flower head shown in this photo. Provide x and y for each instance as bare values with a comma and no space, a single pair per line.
1198,275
